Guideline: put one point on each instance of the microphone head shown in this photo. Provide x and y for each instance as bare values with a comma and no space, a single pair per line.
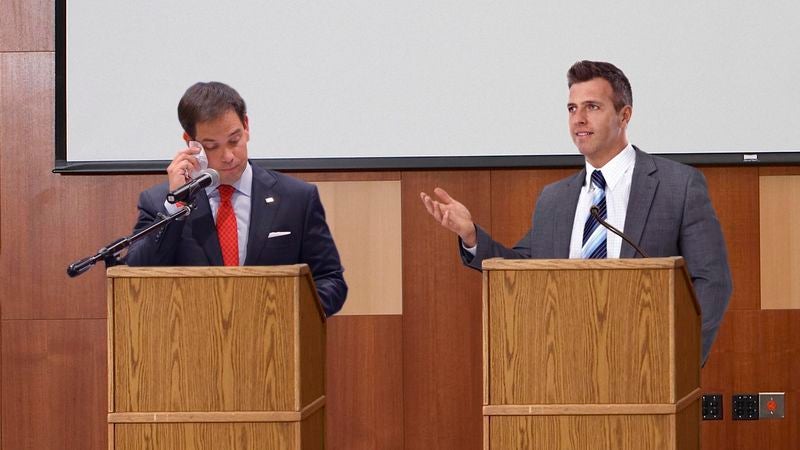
595,211
214,176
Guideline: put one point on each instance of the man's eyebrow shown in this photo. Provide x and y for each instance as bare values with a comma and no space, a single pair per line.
585,102
237,131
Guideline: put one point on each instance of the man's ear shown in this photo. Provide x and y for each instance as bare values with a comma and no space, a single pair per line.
246,123
627,113
187,138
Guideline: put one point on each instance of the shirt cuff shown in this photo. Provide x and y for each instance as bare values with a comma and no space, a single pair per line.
471,250
171,208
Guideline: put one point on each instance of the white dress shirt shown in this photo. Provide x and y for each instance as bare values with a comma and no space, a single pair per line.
618,174
241,201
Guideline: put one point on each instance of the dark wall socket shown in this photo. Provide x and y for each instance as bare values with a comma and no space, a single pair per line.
712,407
744,407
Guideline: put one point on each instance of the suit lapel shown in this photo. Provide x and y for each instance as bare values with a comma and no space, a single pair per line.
204,230
565,216
643,189
262,213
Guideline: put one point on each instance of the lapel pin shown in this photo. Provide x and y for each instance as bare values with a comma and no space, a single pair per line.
269,200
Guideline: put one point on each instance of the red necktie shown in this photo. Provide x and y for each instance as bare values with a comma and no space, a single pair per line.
226,227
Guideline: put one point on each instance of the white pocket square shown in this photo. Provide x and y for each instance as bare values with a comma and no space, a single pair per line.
275,234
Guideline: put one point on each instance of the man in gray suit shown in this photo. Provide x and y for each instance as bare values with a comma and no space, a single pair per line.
662,205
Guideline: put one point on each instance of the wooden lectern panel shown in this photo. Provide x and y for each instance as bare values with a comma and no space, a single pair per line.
687,337
561,328
311,367
305,435
195,436
201,348
597,432
215,358
600,354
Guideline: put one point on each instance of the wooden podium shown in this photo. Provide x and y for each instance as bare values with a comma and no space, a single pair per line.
590,354
215,358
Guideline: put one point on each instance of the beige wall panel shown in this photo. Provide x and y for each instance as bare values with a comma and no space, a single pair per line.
364,217
780,245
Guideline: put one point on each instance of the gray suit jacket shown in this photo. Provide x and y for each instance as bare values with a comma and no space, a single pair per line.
669,214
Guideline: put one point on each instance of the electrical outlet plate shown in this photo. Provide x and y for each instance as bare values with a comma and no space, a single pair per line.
712,407
744,407
770,405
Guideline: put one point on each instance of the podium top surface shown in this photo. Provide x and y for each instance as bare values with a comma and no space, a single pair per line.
201,272
672,262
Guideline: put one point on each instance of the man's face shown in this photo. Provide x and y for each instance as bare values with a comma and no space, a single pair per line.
597,129
225,141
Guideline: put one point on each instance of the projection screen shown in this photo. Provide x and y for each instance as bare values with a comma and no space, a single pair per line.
376,84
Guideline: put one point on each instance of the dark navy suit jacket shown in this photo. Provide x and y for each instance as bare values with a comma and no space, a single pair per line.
296,208
669,214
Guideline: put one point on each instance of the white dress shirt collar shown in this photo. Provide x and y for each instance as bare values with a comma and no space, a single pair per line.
244,185
615,169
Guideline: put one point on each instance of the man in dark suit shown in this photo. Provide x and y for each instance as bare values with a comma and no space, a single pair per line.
256,217
662,205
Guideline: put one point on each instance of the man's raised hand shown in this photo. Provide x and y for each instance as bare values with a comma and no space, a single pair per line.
451,214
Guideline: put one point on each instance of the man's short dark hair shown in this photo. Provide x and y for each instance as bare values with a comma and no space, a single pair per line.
207,101
587,70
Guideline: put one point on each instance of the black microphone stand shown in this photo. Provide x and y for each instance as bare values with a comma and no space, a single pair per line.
595,212
109,254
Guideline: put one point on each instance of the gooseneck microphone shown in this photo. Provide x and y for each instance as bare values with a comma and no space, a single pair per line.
595,211
207,177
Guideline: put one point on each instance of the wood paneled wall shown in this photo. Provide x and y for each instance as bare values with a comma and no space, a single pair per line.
410,381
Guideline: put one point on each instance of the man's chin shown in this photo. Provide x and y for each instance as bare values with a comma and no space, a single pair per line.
230,176
584,150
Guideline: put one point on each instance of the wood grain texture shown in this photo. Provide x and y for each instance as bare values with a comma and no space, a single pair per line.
293,270
780,247
547,265
312,432
513,199
572,337
772,171
365,383
311,344
687,425
27,26
734,194
207,436
57,219
313,177
583,432
54,381
734,368
593,409
195,344
687,336
365,220
441,318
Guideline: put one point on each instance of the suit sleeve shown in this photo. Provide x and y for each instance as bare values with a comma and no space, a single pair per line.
320,253
703,248
159,247
489,248
527,247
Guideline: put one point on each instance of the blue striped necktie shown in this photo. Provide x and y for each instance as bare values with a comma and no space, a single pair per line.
594,234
